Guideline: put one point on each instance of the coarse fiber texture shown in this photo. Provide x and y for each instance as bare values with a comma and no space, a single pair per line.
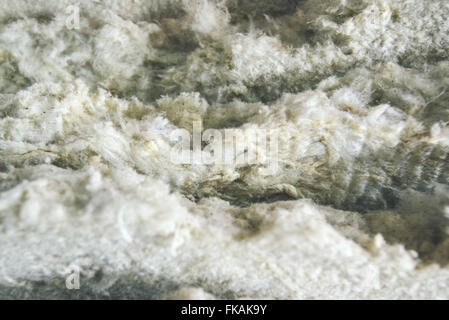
357,92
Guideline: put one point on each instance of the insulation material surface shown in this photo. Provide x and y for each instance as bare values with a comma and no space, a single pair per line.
356,91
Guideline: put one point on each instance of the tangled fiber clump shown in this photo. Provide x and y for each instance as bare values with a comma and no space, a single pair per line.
356,91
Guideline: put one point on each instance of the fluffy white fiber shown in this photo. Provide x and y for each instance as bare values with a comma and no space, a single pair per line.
357,92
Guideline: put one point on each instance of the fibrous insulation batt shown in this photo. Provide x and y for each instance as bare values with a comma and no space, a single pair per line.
356,91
